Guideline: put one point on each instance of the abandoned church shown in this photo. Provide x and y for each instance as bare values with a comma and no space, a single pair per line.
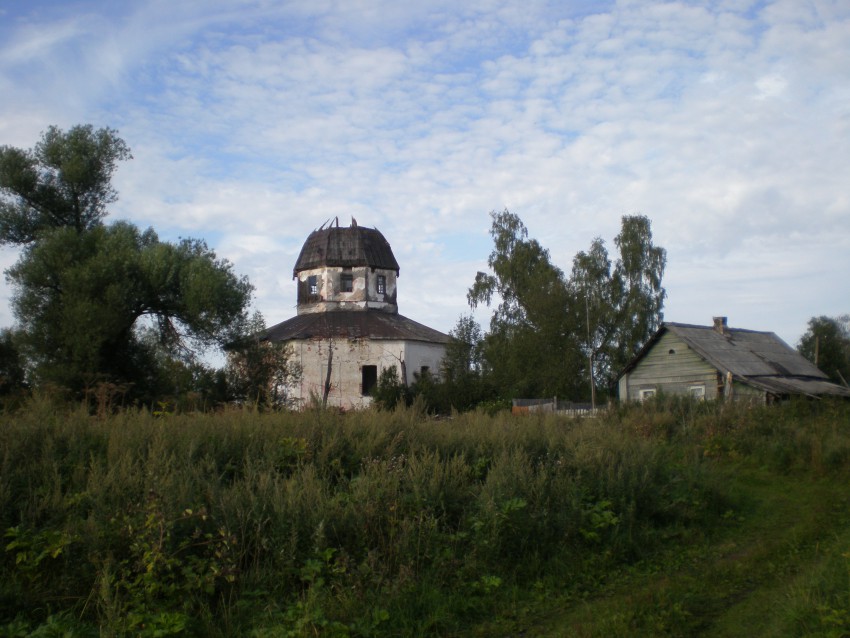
348,329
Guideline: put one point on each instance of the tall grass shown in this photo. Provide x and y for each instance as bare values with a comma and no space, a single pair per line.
366,523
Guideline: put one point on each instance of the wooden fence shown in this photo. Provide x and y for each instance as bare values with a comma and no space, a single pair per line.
553,406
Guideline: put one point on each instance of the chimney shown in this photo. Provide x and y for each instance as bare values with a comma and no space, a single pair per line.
720,324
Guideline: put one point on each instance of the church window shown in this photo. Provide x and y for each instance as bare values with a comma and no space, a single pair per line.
382,284
346,282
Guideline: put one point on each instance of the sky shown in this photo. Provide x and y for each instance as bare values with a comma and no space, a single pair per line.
253,122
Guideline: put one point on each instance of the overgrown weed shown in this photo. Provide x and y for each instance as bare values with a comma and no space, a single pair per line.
366,523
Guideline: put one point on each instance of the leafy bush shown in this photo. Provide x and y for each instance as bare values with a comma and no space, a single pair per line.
391,390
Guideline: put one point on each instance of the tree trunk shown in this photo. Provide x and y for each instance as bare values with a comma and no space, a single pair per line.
327,389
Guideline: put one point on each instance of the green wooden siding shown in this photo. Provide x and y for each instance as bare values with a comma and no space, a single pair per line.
670,367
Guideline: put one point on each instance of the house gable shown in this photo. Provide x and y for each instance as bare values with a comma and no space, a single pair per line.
672,367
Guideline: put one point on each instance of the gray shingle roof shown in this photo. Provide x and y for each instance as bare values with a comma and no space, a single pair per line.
346,247
746,353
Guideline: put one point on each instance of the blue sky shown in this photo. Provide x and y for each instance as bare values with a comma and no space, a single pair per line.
253,122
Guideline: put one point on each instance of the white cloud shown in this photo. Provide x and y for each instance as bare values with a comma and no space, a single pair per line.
254,122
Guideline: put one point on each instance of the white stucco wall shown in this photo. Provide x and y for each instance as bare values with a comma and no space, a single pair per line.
420,354
364,293
349,356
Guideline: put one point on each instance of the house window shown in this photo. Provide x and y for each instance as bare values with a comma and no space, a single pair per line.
369,380
313,284
346,282
382,284
697,392
647,394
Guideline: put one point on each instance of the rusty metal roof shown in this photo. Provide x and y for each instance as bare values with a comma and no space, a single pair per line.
354,324
346,247
759,358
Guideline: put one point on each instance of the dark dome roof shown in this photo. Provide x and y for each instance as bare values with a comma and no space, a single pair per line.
347,247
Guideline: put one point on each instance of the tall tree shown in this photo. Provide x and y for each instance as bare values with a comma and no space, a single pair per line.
594,291
637,281
548,332
64,181
81,299
464,350
463,381
84,292
826,343
530,349
622,307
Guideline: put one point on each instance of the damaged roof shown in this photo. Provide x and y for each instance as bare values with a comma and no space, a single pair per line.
346,247
343,324
759,358
746,353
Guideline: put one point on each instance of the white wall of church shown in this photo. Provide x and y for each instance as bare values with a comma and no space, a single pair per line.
346,364
423,355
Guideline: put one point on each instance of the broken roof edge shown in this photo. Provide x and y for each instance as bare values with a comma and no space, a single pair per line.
349,246
796,385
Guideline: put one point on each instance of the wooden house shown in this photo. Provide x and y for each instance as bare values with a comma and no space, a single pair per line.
711,362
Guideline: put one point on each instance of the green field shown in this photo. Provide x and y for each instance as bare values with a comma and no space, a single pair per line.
669,518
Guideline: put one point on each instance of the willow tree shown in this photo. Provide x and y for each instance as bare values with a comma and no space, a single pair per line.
84,292
64,181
